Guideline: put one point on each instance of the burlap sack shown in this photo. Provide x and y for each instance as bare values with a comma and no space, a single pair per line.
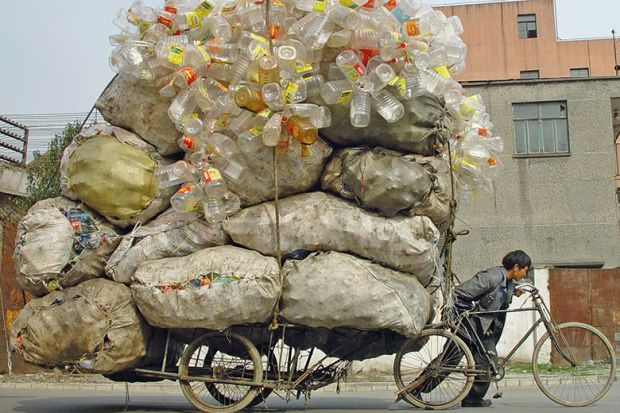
333,290
94,325
318,221
168,235
112,171
214,288
44,256
424,129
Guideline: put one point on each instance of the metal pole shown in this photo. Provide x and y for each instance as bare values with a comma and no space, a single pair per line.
613,35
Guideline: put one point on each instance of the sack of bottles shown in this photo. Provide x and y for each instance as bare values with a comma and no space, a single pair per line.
168,235
94,326
61,243
112,171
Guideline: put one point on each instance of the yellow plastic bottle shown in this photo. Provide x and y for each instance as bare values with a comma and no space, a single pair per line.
303,131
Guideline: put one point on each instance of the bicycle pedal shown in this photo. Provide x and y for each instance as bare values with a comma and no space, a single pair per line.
497,395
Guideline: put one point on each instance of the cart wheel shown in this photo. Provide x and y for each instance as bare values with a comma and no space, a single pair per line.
240,361
221,392
436,362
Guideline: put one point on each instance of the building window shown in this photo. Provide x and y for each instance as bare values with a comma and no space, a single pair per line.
540,128
527,26
530,74
580,72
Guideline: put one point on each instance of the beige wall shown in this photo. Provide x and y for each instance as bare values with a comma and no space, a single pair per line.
496,52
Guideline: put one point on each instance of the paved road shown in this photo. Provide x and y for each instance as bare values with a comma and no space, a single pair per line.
515,400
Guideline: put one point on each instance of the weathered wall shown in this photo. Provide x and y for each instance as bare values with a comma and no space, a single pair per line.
557,209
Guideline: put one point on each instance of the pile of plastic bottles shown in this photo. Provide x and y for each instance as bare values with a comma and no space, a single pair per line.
246,74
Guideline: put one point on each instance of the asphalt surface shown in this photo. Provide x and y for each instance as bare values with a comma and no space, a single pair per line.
515,399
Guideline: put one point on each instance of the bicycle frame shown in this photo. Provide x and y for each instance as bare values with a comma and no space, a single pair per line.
544,318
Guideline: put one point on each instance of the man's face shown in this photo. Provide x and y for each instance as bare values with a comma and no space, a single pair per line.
520,273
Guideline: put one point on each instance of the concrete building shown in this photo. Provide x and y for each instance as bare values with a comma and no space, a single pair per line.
518,40
556,198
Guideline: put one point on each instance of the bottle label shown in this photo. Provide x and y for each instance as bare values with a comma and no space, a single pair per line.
305,68
278,3
211,174
186,188
291,89
170,9
412,28
401,85
319,6
255,132
189,74
204,9
390,5
164,21
442,71
192,19
258,38
188,143
349,4
175,55
345,96
354,72
205,55
259,51
274,31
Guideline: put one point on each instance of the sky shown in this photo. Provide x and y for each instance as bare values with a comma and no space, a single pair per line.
55,53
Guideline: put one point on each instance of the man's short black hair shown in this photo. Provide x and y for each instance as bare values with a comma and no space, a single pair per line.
517,257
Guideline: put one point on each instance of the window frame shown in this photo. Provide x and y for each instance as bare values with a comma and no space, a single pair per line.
527,27
522,72
523,122
577,69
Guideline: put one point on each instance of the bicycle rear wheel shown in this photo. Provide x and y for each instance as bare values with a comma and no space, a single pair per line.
576,367
439,361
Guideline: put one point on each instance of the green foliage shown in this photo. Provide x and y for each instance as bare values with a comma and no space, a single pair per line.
44,170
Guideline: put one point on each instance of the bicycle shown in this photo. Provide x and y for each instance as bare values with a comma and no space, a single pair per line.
573,363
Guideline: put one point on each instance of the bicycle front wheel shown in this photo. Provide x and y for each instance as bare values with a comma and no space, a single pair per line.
575,366
439,362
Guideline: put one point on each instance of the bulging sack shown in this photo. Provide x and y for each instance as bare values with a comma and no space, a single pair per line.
142,110
318,221
391,183
214,289
295,173
94,325
168,235
425,128
112,171
333,290
59,244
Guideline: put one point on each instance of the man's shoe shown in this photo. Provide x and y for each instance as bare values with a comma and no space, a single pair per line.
476,403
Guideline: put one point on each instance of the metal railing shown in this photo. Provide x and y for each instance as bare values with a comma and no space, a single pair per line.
14,137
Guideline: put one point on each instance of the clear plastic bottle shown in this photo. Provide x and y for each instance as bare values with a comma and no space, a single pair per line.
166,177
301,25
250,142
318,33
365,39
313,85
219,27
343,16
273,96
320,116
222,51
287,60
339,39
272,130
295,90
261,119
334,72
241,123
387,106
405,9
187,198
378,78
239,69
206,90
182,106
192,143
192,125
220,71
337,91
317,6
360,108
350,65
213,209
268,70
